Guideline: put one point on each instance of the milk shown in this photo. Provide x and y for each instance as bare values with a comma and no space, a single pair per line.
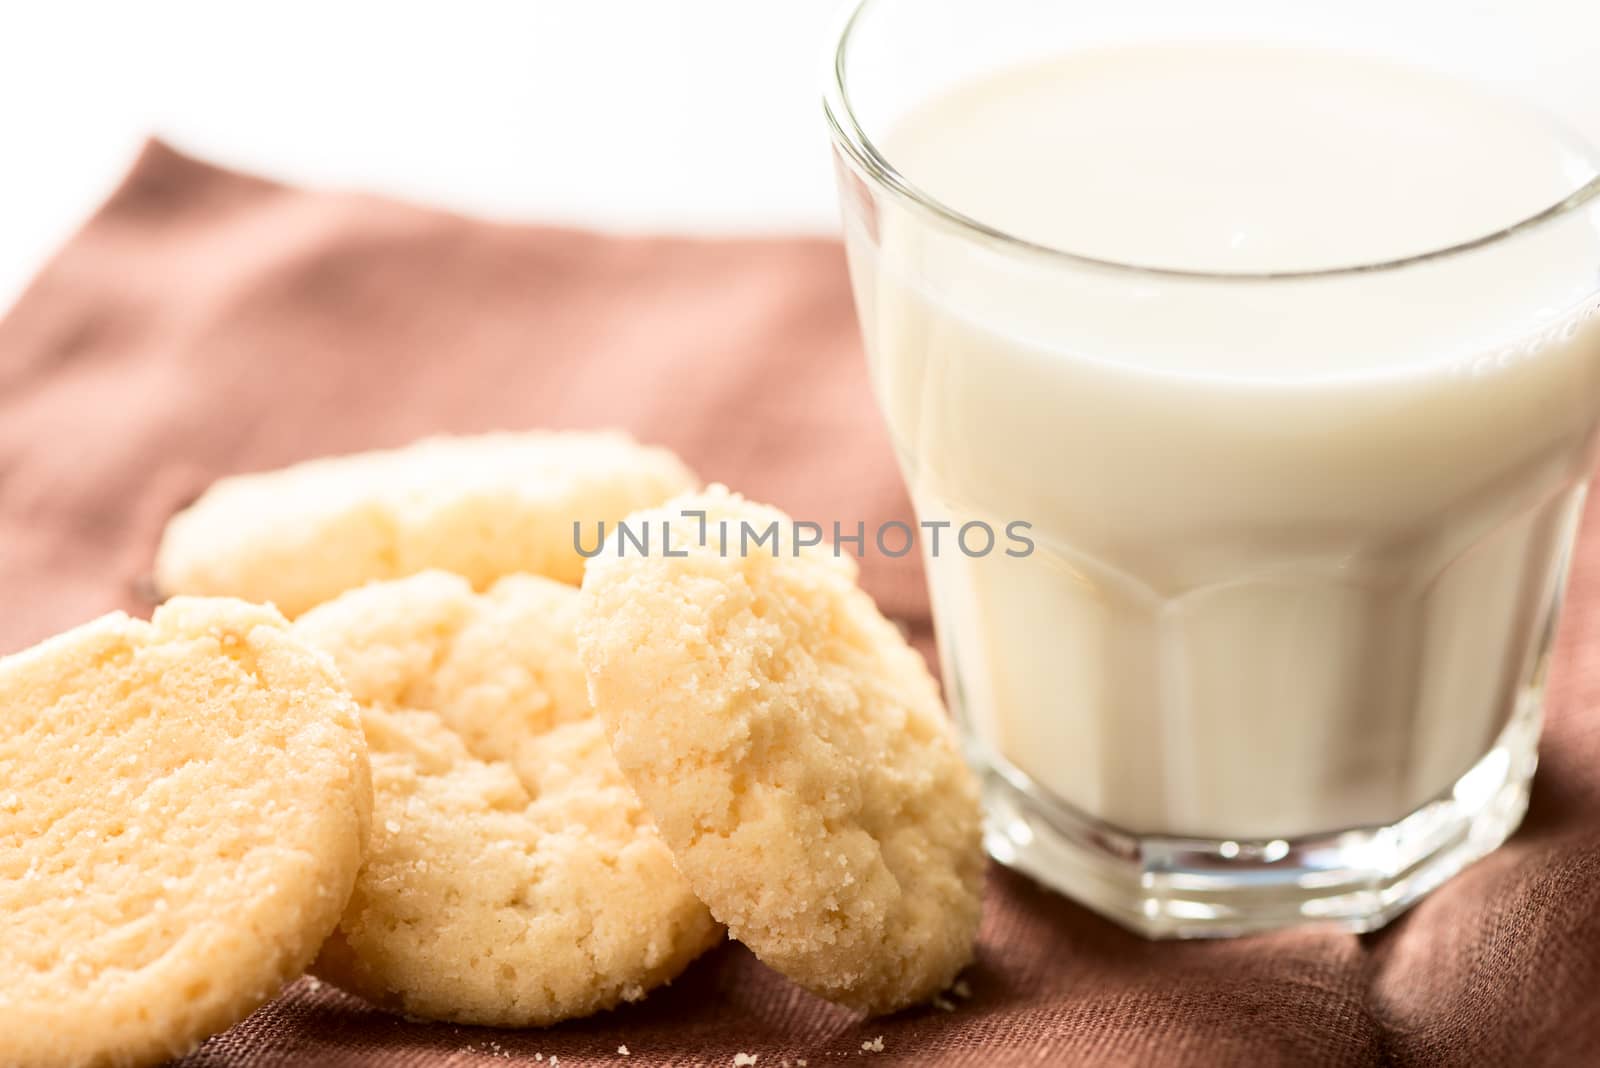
1299,542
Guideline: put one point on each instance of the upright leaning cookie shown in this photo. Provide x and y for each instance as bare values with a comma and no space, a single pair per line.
482,507
513,878
183,808
792,748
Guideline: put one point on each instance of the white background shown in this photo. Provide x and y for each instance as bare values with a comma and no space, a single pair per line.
698,115
675,115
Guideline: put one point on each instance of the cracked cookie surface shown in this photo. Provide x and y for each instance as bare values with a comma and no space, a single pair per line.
183,809
513,878
481,507
792,748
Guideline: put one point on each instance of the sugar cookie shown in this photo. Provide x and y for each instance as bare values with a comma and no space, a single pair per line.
513,878
183,808
792,749
482,507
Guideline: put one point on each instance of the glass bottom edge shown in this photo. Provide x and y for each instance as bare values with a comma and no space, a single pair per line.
1169,887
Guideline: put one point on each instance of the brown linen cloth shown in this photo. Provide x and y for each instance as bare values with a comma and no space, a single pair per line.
205,323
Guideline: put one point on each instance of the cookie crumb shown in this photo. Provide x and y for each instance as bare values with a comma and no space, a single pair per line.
623,1050
873,1046
740,1060
943,1004
961,989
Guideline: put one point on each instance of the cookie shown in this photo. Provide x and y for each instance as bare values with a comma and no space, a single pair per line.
513,878
792,748
481,507
183,809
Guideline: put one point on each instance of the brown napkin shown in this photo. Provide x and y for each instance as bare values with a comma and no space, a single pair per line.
205,322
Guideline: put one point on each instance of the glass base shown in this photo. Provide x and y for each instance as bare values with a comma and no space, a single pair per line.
1358,880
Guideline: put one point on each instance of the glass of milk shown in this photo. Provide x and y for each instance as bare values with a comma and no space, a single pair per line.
1279,327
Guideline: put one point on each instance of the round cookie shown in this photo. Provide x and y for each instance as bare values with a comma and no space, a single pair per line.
183,809
482,507
792,749
513,878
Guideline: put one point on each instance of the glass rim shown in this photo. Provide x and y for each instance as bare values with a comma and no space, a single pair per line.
851,138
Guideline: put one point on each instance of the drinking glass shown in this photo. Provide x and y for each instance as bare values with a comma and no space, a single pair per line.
1279,649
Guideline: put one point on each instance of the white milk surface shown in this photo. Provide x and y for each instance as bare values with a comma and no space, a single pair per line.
1298,541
